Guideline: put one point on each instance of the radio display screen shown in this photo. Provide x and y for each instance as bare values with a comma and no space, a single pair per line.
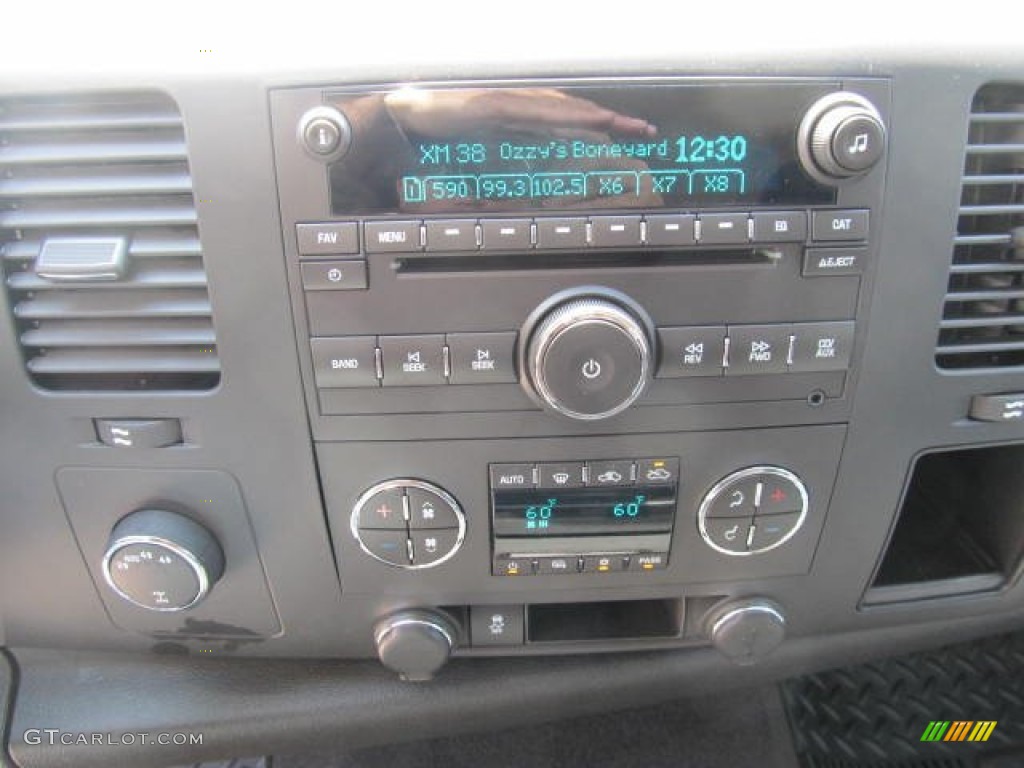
633,145
643,509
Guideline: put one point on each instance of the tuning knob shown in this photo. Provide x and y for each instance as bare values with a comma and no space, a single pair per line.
842,136
415,644
747,630
162,561
588,356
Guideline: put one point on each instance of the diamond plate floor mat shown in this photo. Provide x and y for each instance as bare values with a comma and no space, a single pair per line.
961,706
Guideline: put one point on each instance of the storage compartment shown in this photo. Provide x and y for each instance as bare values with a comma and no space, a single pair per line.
619,620
960,529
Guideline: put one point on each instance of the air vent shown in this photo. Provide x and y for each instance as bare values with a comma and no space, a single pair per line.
983,322
99,244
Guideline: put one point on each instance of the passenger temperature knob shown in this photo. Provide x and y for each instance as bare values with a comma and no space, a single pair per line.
747,630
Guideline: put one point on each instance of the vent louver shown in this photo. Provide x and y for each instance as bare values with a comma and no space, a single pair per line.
983,320
105,175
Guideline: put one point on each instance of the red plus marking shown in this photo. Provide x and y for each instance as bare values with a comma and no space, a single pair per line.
778,495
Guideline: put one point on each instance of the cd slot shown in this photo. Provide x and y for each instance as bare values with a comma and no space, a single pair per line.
534,260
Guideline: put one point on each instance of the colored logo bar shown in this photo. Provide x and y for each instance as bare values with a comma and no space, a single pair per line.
959,730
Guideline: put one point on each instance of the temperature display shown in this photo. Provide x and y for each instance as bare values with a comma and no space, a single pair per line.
599,511
643,145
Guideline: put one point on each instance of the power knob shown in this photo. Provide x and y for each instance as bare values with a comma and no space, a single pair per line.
747,630
415,644
588,354
161,560
841,137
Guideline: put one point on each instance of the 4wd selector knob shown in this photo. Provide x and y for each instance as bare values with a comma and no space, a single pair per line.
841,136
161,560
588,354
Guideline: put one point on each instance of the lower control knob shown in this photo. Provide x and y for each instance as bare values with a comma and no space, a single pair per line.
747,630
161,560
415,644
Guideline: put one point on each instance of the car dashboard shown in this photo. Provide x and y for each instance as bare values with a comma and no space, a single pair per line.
449,385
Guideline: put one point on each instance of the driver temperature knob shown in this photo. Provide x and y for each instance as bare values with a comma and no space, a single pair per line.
589,354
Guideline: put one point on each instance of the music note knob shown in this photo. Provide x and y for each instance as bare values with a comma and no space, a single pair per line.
841,137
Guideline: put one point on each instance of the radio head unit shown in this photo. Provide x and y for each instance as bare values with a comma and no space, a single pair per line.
594,248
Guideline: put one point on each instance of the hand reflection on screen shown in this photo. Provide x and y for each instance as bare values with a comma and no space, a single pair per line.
449,113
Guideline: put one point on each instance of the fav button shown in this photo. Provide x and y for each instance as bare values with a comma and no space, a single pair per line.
328,238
